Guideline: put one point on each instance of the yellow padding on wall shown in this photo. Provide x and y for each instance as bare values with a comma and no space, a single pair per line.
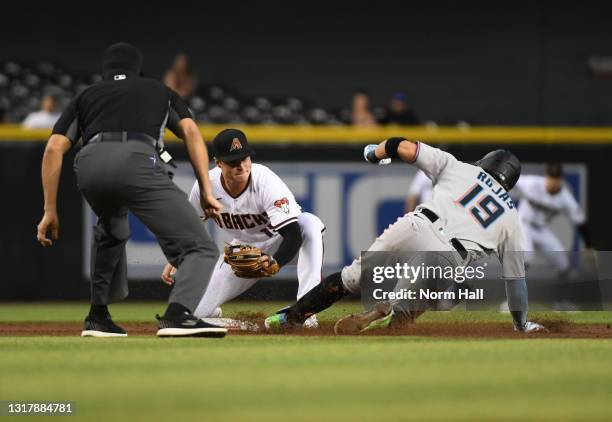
349,135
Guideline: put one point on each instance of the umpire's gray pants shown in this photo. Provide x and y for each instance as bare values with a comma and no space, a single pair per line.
115,177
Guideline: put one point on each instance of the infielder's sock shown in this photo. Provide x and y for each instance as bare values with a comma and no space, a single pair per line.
175,310
321,297
99,311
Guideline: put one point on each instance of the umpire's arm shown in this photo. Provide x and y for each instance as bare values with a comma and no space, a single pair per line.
181,123
198,155
53,159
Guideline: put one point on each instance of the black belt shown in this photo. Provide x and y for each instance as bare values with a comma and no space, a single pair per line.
123,137
433,217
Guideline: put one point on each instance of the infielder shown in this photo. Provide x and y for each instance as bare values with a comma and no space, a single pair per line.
470,215
543,198
258,210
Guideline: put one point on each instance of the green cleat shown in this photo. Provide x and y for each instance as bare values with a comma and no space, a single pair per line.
379,317
380,323
276,323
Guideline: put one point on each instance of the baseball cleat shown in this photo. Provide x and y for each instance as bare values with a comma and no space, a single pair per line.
188,325
278,322
101,327
379,317
275,322
310,323
531,327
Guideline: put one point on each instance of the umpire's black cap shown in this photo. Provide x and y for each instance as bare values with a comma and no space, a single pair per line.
230,145
122,56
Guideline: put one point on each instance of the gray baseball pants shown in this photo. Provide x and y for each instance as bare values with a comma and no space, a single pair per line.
429,245
115,177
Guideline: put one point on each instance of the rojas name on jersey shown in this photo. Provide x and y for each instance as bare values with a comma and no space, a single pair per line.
499,191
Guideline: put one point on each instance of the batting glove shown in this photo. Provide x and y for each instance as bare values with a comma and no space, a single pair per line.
370,157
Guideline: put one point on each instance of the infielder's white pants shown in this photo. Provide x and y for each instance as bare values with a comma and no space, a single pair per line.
225,286
546,241
411,233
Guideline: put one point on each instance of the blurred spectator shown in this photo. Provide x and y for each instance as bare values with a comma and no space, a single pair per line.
398,112
46,117
361,115
180,77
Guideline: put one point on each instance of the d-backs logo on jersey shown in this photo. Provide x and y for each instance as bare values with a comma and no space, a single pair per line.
283,204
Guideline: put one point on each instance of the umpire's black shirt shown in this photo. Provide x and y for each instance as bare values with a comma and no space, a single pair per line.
122,101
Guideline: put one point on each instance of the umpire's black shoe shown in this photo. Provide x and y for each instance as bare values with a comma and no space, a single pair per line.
187,325
101,327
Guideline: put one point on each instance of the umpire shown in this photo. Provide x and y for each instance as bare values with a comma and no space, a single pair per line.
121,120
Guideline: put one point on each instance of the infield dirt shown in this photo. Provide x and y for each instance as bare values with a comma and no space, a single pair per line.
557,329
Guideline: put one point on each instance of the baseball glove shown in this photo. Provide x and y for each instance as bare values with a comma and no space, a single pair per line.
246,261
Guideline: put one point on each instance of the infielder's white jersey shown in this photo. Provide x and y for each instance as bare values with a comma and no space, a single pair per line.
254,217
420,187
256,214
538,206
474,207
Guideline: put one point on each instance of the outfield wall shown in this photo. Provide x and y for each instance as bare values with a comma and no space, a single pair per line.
32,272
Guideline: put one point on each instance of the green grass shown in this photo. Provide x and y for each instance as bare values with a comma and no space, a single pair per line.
269,378
281,378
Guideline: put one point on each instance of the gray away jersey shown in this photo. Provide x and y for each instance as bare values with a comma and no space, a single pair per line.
474,207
